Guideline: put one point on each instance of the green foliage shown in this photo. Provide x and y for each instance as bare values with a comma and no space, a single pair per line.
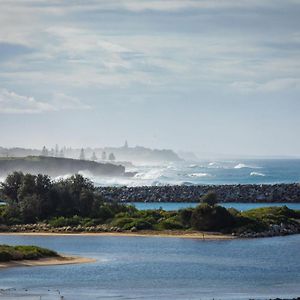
186,216
75,201
8,253
122,222
170,223
234,212
34,198
138,224
270,215
210,198
211,218
62,221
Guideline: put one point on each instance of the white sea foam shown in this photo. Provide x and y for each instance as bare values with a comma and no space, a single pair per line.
257,174
199,175
242,166
193,166
216,165
150,174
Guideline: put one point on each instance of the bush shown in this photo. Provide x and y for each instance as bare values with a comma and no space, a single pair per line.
270,215
170,223
5,255
211,218
233,211
62,221
8,253
139,224
186,216
210,198
122,222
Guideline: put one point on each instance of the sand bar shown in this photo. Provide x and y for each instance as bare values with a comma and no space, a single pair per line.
162,234
61,260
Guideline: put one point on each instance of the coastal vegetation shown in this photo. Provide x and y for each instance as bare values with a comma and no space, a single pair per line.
16,253
75,204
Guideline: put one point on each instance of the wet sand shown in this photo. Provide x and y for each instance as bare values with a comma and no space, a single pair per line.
61,260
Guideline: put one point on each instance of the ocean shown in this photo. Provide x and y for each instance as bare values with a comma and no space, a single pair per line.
258,171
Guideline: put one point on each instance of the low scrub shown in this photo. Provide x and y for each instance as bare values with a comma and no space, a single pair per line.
8,253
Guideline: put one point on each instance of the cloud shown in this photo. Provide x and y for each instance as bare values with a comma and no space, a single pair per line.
276,85
99,44
13,103
61,101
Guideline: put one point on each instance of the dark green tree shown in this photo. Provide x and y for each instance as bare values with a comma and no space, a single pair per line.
210,198
211,218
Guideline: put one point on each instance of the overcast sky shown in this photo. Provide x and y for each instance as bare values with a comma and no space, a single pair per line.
206,76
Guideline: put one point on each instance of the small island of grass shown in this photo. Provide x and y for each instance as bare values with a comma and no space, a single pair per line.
16,256
15,253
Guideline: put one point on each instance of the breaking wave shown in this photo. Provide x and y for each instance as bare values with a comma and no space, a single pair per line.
199,175
242,166
257,174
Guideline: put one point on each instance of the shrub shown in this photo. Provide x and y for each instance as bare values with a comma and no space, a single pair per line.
270,215
139,224
8,253
233,211
186,216
214,218
210,198
170,223
122,222
5,255
62,221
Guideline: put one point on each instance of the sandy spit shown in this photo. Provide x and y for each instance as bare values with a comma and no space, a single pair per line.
163,234
61,260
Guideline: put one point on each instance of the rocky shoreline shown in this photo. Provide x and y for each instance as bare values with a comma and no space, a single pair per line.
226,193
274,230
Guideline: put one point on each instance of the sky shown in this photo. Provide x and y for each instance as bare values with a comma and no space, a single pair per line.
205,76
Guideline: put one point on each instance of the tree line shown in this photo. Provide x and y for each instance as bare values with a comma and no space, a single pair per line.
32,198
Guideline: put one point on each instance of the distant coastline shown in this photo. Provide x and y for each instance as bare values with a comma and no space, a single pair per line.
57,166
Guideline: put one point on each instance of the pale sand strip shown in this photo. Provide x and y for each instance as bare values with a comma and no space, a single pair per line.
164,234
62,260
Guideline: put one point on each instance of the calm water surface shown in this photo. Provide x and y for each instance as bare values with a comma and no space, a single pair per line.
161,268
179,205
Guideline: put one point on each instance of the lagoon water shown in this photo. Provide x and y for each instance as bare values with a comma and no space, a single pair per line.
159,268
178,205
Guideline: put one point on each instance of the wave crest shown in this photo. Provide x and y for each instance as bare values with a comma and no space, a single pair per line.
199,175
257,174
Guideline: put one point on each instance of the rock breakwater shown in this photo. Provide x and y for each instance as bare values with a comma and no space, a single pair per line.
226,193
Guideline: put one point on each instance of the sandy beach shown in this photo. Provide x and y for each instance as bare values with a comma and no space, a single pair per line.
160,234
61,260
